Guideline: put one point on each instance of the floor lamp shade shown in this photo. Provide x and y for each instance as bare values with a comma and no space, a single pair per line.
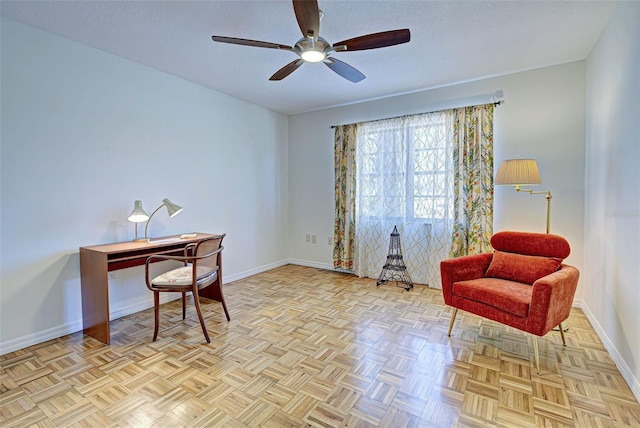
516,172
523,172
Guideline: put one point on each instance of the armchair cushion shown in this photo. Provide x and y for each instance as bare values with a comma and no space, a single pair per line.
521,268
531,244
509,296
182,276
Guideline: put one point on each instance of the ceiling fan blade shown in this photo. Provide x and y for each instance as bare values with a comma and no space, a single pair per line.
247,42
375,40
287,69
343,69
308,16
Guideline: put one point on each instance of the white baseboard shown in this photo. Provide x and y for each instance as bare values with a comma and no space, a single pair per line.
75,326
625,371
308,263
235,277
39,337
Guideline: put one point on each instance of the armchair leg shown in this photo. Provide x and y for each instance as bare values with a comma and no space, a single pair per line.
561,328
196,301
214,292
226,312
156,310
184,305
537,354
453,318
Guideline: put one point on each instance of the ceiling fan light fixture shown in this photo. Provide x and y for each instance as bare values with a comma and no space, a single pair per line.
312,55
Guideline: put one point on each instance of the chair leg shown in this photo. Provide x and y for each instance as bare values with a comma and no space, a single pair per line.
214,292
537,354
453,318
561,328
156,310
224,306
196,301
184,305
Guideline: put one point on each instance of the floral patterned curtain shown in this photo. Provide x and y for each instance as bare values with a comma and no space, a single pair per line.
473,179
345,185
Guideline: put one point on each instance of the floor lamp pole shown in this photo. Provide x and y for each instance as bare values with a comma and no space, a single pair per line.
547,196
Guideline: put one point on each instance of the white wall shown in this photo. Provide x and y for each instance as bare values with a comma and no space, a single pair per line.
612,214
543,116
84,134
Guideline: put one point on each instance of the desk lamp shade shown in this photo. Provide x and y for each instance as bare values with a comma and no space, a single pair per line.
517,172
138,215
172,209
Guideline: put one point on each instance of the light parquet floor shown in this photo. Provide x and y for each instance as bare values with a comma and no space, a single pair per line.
308,347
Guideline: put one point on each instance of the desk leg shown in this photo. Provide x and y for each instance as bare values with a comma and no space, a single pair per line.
95,295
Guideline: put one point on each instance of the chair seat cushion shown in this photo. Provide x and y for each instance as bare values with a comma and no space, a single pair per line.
182,276
509,296
521,268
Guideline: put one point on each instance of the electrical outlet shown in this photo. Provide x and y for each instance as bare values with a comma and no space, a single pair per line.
314,239
330,241
308,238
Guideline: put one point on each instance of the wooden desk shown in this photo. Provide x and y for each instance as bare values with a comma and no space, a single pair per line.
98,260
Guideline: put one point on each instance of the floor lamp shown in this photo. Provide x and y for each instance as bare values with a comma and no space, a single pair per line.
523,172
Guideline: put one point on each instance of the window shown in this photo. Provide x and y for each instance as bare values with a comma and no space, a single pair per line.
404,169
400,172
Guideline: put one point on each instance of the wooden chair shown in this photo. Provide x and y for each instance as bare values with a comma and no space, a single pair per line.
522,284
202,269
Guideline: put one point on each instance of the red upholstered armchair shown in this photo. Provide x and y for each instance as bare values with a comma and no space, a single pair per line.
522,284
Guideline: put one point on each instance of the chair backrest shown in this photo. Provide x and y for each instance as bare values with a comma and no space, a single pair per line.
208,246
531,244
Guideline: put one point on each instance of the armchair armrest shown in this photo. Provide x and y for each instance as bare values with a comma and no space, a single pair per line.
186,259
462,269
189,250
551,299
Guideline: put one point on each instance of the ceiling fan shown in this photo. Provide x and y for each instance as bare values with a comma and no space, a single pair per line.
313,48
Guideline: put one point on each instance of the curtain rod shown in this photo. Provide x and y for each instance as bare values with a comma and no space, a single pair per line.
495,104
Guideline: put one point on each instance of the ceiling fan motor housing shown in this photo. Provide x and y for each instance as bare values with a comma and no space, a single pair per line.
312,50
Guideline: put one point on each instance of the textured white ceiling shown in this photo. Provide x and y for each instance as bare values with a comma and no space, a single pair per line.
451,42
